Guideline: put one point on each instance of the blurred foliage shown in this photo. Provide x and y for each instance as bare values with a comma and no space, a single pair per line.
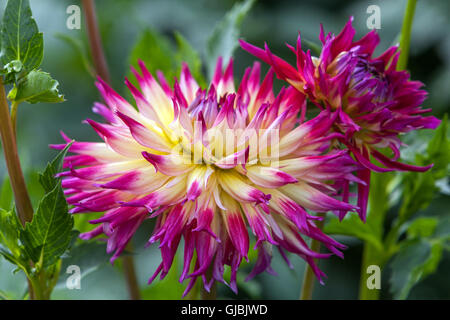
137,24
224,38
158,54
418,256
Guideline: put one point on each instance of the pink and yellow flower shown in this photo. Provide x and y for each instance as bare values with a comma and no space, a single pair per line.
373,101
208,165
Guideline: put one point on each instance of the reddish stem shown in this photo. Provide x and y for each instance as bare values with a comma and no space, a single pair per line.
98,56
22,199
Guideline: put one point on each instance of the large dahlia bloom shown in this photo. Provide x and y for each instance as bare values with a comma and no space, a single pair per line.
373,101
208,165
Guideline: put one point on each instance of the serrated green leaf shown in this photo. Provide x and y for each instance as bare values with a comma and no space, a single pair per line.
37,86
352,225
224,38
47,178
186,53
49,234
20,38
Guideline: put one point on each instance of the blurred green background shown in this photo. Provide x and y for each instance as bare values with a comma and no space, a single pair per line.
276,22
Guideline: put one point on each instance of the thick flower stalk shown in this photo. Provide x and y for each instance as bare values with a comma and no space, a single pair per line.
373,101
208,164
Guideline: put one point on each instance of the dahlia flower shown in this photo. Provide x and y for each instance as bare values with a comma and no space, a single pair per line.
373,101
208,164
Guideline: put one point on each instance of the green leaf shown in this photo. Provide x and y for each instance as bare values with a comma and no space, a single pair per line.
9,232
413,263
157,53
49,234
47,178
37,86
186,53
418,192
419,256
352,225
79,47
372,230
6,195
82,223
438,150
407,266
10,246
224,38
442,231
419,189
422,227
14,66
20,38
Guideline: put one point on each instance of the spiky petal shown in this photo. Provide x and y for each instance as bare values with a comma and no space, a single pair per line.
373,102
208,164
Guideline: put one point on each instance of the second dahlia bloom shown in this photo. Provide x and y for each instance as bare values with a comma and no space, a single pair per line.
373,101
208,165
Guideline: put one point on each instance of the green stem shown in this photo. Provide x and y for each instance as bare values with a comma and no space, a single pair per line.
31,294
40,291
378,207
405,36
371,256
309,277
